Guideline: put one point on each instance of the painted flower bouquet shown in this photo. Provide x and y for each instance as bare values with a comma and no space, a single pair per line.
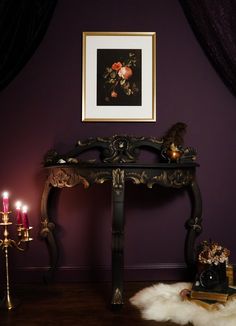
119,78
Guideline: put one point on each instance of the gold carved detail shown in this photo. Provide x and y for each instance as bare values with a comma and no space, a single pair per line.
118,180
176,179
47,227
155,140
66,177
195,224
100,177
117,298
137,178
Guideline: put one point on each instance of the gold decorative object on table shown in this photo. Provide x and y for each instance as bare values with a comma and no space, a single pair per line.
174,152
23,234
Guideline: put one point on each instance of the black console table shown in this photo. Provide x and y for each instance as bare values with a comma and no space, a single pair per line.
174,168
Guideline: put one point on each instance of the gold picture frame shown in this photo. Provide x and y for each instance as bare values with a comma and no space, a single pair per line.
119,77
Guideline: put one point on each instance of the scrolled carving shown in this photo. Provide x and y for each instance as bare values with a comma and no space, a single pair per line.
126,149
120,148
176,179
100,177
137,178
66,177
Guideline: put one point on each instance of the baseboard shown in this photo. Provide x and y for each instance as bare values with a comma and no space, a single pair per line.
148,272
161,271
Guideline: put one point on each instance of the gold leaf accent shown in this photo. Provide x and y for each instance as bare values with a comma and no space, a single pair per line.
117,298
118,179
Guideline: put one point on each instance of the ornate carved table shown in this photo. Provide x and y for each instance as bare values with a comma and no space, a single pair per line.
117,165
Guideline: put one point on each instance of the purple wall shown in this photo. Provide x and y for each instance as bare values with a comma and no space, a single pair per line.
41,109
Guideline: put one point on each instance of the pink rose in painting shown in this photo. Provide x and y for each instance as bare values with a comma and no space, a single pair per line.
116,66
113,94
125,72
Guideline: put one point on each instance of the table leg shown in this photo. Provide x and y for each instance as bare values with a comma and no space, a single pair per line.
193,226
47,228
118,186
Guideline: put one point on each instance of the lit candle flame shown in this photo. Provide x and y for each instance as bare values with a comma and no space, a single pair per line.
5,201
25,209
5,194
18,205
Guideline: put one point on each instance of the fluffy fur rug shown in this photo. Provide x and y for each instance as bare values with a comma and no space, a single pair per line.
163,302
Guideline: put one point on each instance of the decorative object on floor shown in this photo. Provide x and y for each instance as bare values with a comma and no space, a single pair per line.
23,231
169,302
211,282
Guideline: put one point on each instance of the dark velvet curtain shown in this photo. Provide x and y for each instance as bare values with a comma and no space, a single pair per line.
23,24
214,24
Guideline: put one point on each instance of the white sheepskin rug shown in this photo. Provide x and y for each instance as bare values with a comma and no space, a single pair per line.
163,302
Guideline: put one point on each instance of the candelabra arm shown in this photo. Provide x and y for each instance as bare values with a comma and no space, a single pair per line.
11,243
17,245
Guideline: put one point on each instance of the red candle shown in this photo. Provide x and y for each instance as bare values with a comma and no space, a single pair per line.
25,220
5,201
18,212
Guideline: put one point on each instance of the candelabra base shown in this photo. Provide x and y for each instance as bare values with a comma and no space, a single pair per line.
9,303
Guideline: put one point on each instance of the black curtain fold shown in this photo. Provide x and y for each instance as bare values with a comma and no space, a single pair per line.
214,24
23,23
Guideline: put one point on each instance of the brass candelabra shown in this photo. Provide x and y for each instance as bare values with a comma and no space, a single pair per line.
23,235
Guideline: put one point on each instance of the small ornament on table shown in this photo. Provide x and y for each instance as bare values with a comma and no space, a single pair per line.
174,152
173,142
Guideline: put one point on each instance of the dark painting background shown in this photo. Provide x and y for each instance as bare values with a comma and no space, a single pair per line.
105,59
41,109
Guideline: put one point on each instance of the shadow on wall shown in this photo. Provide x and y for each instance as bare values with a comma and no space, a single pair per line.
83,222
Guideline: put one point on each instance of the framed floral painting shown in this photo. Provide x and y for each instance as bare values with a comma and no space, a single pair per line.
119,76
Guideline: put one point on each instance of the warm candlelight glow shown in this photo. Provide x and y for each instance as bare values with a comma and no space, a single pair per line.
24,209
5,201
25,219
18,204
5,195
18,216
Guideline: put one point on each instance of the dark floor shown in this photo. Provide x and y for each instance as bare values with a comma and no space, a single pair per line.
82,304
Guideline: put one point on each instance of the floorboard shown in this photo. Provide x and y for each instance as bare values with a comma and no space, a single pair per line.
82,304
